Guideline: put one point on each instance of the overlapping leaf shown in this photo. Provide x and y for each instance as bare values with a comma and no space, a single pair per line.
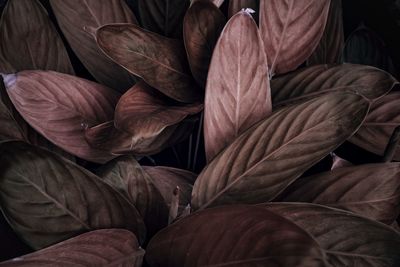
238,92
77,20
369,190
47,199
109,247
268,157
233,236
10,129
291,31
160,61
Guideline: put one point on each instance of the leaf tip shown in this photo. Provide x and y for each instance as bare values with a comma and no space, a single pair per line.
248,11
9,79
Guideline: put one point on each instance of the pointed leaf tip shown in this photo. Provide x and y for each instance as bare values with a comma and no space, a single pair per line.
9,79
248,10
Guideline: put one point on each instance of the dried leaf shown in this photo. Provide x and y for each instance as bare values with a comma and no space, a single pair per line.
238,92
370,190
47,199
109,247
77,20
268,157
348,240
29,40
202,26
60,107
291,31
316,80
160,61
233,236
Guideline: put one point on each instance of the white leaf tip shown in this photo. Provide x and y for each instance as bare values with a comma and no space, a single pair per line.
9,79
248,10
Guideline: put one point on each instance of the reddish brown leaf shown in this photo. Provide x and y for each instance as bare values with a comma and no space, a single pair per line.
60,107
202,26
233,236
109,247
268,157
291,31
238,92
78,19
29,40
160,61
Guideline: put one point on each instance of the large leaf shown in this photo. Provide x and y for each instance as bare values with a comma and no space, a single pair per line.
160,61
348,240
77,20
238,93
383,118
316,80
163,17
47,199
291,31
268,157
127,176
233,236
369,190
29,40
330,48
109,247
202,26
61,107
145,112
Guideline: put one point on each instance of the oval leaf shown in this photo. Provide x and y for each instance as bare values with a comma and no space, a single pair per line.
268,157
47,199
61,107
291,31
238,93
225,236
160,61
109,247
370,190
77,20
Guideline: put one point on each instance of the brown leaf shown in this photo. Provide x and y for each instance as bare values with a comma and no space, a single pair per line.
127,176
145,112
330,48
317,80
202,26
370,190
29,40
348,240
60,107
238,92
291,31
379,125
268,157
163,17
47,199
77,20
233,236
109,247
160,61
237,5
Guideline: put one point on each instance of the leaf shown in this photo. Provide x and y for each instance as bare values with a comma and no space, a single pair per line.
127,176
202,26
233,236
238,92
47,199
144,112
237,5
163,17
60,107
312,81
160,61
77,20
29,40
109,247
291,31
268,157
330,48
348,240
371,190
379,125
